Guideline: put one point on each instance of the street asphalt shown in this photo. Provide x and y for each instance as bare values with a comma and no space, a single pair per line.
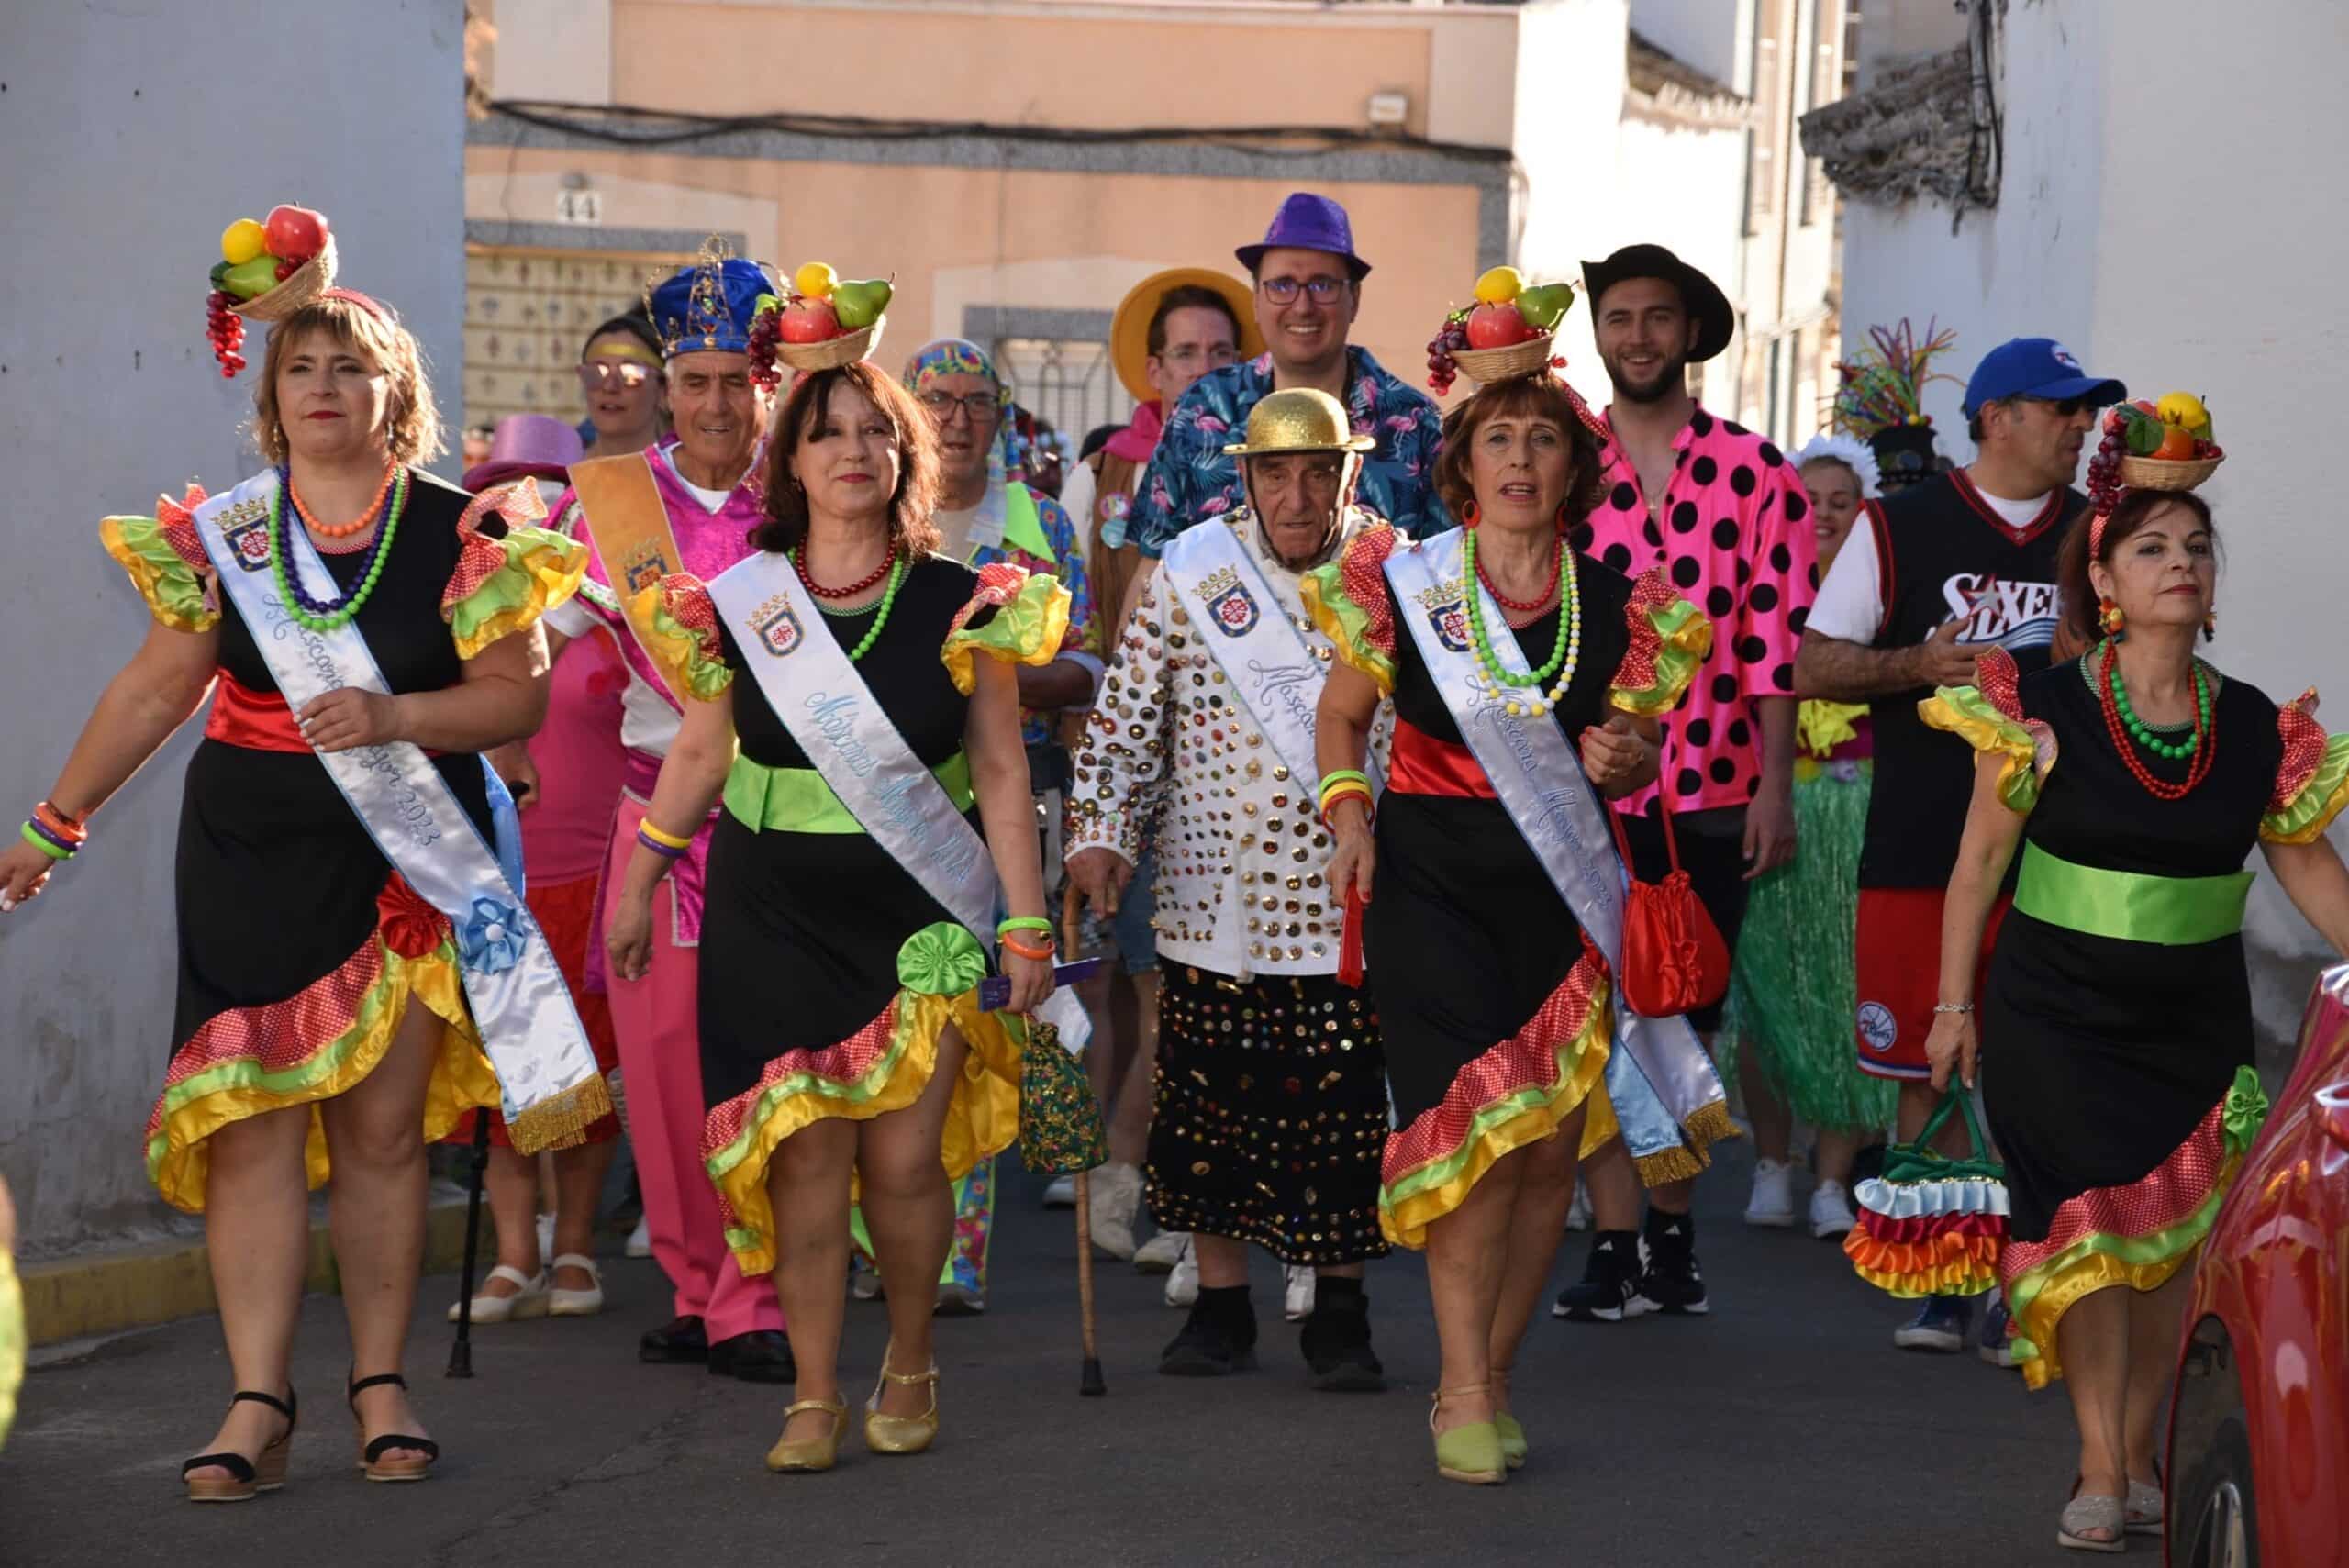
1781,1428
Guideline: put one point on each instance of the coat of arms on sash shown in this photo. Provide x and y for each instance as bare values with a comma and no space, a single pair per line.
1228,602
644,567
246,528
1447,612
778,625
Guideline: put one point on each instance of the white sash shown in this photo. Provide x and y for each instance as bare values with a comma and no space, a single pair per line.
520,1004
1539,781
1245,626
813,687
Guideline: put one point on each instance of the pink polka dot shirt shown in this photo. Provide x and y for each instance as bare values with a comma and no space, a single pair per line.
1732,535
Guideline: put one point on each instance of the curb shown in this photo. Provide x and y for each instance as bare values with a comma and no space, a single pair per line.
134,1287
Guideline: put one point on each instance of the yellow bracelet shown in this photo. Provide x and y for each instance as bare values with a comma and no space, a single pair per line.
1346,789
659,837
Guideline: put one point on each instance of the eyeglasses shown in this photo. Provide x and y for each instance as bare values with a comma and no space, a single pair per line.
1325,289
1190,354
614,373
979,407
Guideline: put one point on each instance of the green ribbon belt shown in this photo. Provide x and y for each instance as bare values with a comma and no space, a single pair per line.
797,800
2173,911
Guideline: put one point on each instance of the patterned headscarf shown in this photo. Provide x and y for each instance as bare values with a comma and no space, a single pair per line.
960,356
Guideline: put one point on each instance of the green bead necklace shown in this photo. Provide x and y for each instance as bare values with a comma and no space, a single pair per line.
881,619
308,612
1565,654
2145,735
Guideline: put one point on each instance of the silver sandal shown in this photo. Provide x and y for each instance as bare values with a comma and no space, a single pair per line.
2143,1513
2087,1513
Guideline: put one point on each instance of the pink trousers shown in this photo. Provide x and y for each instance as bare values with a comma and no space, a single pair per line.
656,1021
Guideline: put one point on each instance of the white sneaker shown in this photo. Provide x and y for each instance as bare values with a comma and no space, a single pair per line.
640,1240
1773,1202
1162,1251
1578,1212
1182,1282
1830,1211
1296,1293
1060,1193
1116,1194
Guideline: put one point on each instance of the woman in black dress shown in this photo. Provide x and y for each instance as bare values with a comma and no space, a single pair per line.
322,1025
2135,780
841,1038
1495,1013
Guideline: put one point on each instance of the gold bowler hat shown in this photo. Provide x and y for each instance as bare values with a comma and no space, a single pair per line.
1130,327
1302,419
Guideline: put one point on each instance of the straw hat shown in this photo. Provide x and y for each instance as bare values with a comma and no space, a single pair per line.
1129,329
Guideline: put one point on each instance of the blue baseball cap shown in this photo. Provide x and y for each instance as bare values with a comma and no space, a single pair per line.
2036,367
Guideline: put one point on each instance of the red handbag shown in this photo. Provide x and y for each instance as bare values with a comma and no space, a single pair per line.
1674,959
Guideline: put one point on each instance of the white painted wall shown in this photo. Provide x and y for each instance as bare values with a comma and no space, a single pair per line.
2210,262
135,136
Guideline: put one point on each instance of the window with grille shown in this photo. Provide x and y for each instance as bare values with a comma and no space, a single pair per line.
1066,383
527,314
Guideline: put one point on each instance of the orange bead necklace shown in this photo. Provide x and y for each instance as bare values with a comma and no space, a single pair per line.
367,514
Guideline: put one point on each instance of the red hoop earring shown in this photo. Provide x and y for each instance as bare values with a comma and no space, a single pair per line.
1469,516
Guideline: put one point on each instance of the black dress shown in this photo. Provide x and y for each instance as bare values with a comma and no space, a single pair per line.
1493,1008
806,1008
292,977
2116,1072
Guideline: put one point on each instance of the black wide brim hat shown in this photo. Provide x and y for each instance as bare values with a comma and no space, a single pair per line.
1699,295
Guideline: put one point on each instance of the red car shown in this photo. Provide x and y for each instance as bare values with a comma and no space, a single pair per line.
2259,1473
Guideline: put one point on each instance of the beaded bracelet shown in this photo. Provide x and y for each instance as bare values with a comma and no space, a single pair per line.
1020,950
661,837
644,835
33,835
1023,923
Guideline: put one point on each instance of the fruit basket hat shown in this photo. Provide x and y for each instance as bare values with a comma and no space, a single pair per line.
1307,221
1130,327
708,304
2037,368
1699,295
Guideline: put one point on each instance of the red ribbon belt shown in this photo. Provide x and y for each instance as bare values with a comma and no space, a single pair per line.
1422,764
258,721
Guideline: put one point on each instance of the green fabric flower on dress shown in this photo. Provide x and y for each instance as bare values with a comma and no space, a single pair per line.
944,960
2245,1109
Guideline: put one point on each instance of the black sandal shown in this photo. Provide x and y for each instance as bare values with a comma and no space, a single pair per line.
247,1477
370,1454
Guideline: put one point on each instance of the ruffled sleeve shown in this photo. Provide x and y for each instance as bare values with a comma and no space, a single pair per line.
1670,638
167,563
1028,626
505,582
1988,716
684,643
2313,786
1349,602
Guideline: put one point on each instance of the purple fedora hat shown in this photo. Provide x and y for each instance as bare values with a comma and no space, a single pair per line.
1307,222
535,444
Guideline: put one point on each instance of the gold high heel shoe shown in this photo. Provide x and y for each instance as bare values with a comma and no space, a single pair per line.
901,1434
790,1454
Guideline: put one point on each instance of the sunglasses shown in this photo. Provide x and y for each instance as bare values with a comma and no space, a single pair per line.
2065,407
614,372
1325,289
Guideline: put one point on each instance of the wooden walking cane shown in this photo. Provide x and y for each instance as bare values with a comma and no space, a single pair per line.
460,1354
1088,1382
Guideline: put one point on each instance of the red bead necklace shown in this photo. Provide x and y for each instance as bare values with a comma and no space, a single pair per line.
1557,570
2206,735
799,560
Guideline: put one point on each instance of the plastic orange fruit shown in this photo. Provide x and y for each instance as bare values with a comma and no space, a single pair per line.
2177,444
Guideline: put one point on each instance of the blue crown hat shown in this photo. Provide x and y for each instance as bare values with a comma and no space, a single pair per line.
709,305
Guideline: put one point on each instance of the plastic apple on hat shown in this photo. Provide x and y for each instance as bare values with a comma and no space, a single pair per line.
808,321
294,233
1497,326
